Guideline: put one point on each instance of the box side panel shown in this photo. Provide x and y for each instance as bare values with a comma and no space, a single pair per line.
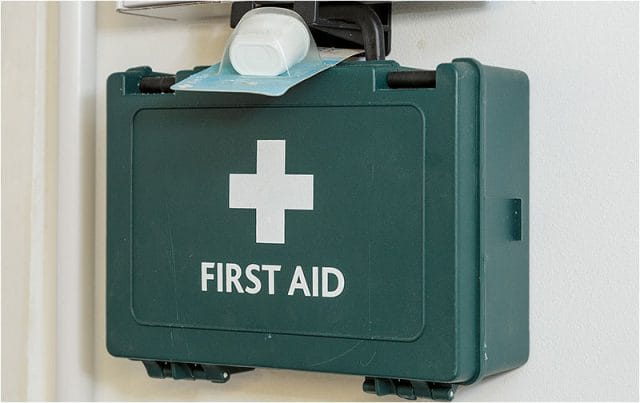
504,156
467,222
118,207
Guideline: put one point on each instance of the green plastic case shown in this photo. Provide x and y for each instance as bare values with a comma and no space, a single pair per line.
420,202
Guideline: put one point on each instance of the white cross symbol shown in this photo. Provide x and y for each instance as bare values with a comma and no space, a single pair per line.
270,191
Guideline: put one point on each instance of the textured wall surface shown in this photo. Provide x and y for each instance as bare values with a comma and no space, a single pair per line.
29,190
582,61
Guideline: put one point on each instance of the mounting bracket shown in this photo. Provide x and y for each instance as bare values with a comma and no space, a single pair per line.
337,24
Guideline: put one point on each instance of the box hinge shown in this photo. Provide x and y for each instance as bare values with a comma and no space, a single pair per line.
408,389
181,370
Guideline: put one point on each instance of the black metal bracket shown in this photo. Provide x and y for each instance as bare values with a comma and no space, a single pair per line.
337,24
408,389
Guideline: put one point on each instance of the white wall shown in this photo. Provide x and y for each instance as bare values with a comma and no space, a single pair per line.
29,193
582,61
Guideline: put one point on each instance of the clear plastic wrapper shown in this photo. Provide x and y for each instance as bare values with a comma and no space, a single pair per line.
270,51
269,41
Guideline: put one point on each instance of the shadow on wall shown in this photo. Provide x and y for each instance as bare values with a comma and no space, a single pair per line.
438,7
206,36
176,15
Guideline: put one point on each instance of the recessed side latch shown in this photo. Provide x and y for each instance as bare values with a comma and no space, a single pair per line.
412,79
189,371
410,390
